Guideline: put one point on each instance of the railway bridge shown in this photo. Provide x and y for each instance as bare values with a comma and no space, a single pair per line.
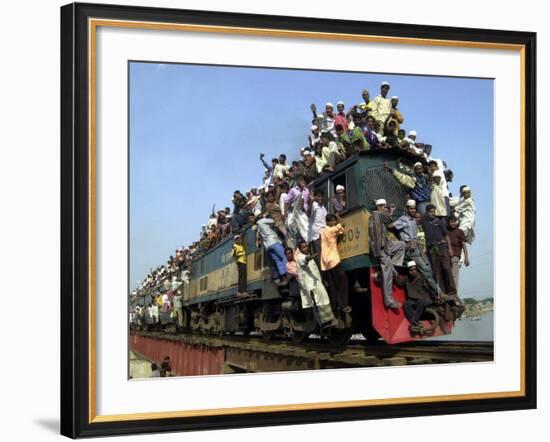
192,354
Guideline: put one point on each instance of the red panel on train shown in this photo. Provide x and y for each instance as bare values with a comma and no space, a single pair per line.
391,325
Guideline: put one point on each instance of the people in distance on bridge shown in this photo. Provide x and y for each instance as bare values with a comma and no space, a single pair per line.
331,264
155,371
382,106
339,200
418,185
420,296
457,240
317,221
389,253
312,291
407,229
296,206
438,245
267,235
465,211
239,254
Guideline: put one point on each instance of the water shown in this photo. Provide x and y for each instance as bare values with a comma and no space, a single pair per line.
468,330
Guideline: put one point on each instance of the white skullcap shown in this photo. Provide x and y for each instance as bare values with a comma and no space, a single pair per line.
466,189
380,201
411,203
411,264
340,103
307,152
417,164
384,83
395,97
412,133
329,104
340,187
314,128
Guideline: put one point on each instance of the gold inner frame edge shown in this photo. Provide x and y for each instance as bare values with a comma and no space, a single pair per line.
93,24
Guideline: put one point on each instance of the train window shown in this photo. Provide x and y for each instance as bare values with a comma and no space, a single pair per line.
258,259
347,180
206,283
203,265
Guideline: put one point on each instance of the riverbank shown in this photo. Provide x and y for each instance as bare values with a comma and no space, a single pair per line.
477,308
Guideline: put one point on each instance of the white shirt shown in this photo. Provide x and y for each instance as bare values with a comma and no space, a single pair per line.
317,220
441,168
282,202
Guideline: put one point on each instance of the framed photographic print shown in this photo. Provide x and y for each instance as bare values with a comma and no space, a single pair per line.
274,220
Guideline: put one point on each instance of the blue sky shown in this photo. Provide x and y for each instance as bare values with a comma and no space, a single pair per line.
196,133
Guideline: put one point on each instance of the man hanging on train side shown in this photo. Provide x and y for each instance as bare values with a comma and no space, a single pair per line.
389,253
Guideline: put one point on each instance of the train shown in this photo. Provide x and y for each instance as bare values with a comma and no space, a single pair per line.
211,304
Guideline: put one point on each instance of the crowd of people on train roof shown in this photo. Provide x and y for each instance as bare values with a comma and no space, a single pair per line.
291,219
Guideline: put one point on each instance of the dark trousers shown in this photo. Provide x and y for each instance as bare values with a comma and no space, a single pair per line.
442,268
337,287
242,277
315,248
415,308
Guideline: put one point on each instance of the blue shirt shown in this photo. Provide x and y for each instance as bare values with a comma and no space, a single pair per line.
406,226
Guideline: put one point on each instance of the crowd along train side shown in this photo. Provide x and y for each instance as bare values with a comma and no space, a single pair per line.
212,305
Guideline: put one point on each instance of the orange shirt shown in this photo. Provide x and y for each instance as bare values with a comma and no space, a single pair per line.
330,257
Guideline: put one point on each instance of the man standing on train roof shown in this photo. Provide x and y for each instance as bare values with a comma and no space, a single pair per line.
238,252
388,253
267,234
314,136
280,169
437,197
418,185
381,107
325,121
407,228
341,117
465,211
369,132
420,296
239,211
395,114
439,245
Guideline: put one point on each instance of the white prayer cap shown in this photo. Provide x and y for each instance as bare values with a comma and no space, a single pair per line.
329,104
307,152
411,264
466,189
380,202
314,128
271,185
340,103
411,203
384,83
417,164
395,97
412,133
340,187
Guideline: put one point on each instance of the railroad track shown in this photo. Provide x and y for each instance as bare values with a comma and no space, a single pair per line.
254,354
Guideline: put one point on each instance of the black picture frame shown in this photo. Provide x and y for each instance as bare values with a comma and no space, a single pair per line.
75,220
